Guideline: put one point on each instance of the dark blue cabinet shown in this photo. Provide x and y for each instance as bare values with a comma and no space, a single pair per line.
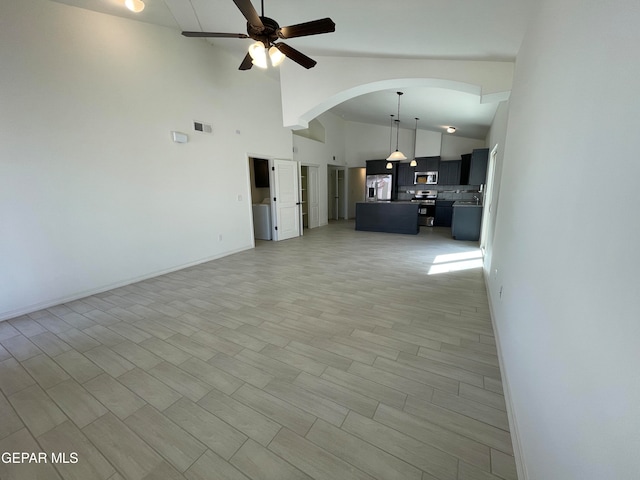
444,213
377,167
449,173
478,167
405,175
427,164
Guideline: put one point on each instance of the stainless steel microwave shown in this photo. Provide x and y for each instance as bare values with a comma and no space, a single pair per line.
426,178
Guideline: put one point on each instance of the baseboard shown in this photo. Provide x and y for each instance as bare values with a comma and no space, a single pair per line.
513,422
87,293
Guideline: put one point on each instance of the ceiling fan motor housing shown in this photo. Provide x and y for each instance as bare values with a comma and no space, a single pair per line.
266,35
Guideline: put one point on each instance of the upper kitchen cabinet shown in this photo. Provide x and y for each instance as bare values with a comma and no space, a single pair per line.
478,167
377,167
449,172
473,167
427,164
405,175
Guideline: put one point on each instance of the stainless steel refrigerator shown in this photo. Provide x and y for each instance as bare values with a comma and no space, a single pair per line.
378,188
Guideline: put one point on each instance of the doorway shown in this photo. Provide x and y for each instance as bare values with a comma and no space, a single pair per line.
336,201
309,198
259,180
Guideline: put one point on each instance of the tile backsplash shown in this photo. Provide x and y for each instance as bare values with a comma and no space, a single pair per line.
445,192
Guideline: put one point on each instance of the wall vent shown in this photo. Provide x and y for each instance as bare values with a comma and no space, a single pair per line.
202,127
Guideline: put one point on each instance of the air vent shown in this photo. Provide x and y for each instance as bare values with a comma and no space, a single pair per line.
202,127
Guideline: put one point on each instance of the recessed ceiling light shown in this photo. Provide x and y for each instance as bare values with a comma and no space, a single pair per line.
135,6
451,129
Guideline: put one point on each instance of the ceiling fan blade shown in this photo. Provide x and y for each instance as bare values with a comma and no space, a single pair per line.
249,12
246,63
315,27
214,34
298,57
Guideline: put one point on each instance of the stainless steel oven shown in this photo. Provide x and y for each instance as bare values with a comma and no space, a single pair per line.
426,200
426,178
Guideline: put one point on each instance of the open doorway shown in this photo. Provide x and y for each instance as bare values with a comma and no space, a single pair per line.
260,198
336,191
309,198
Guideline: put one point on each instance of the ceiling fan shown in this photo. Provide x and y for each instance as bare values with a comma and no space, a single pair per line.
267,33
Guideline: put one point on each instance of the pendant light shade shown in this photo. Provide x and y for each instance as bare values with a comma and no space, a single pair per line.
414,162
397,155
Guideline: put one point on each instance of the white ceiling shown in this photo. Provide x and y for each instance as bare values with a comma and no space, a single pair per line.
435,29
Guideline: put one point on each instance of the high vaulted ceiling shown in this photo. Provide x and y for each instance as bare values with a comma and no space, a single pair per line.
421,29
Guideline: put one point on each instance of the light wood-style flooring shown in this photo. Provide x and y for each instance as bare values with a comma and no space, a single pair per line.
333,356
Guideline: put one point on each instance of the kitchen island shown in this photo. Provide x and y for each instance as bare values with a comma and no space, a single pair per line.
388,217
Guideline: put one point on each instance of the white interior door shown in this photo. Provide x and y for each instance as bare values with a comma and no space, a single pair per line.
313,196
286,207
489,207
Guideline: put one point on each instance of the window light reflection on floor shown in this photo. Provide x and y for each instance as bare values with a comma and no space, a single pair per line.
453,262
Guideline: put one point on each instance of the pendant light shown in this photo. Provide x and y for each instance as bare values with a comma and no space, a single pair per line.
389,165
414,162
397,155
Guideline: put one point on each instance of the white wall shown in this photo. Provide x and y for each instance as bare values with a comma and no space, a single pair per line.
428,144
93,193
370,142
454,145
568,318
495,138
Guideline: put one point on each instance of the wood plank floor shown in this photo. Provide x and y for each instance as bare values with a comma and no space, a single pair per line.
331,356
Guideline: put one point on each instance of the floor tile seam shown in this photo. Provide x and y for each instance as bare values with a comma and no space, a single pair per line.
15,412
179,427
460,354
108,460
469,416
369,380
363,440
35,382
404,434
466,369
446,364
270,417
266,447
447,427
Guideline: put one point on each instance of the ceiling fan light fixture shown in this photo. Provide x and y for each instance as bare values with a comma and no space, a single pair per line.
258,54
276,56
451,129
136,6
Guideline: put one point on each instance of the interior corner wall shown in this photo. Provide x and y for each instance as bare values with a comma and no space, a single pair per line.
93,192
564,283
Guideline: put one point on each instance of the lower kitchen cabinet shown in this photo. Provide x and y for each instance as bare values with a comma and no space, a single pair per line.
466,222
444,213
